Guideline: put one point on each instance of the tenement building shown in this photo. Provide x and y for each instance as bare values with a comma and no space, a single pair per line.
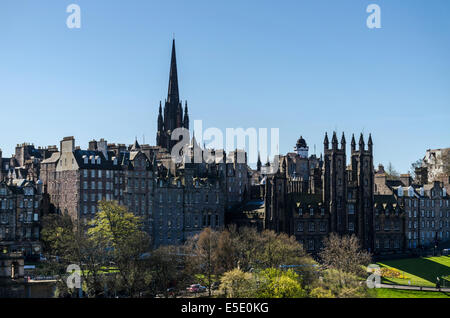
20,214
426,209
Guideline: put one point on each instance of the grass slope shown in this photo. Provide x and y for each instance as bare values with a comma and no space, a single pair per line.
419,271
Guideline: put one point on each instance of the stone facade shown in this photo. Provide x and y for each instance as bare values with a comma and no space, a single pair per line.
20,214
332,197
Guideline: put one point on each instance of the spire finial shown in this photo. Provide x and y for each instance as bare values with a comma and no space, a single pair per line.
173,93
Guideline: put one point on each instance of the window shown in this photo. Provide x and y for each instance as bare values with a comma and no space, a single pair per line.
322,227
312,227
311,212
351,227
351,209
300,227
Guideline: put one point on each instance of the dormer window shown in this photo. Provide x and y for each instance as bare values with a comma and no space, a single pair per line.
410,191
114,161
92,160
97,158
85,159
421,192
400,191
300,211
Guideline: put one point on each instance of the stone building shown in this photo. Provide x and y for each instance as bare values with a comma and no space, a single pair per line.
331,196
25,162
435,166
426,210
20,214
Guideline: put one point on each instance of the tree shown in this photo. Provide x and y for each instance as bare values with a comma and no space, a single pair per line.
416,164
275,283
119,233
65,243
338,284
344,254
280,249
166,265
391,173
202,260
237,284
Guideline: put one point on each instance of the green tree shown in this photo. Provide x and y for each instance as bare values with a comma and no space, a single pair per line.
275,283
237,284
119,233
65,243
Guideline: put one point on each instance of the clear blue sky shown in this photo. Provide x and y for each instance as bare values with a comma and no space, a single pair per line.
304,66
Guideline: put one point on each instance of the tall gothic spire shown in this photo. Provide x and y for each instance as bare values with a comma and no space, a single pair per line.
173,94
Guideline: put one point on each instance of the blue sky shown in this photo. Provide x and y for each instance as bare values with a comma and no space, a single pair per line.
304,66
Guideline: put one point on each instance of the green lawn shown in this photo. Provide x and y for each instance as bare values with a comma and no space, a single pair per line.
419,271
396,293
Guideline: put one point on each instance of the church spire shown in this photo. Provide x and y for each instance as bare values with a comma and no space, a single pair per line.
186,116
173,94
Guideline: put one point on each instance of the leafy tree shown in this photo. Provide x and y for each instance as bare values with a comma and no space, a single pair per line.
119,233
275,283
65,243
237,284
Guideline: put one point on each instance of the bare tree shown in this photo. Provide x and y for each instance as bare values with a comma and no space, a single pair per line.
344,254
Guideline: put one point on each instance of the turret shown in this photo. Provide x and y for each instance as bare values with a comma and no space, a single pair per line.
343,141
258,163
326,143
353,144
334,141
186,116
370,143
361,143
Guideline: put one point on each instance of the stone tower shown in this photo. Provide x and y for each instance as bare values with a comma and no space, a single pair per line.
362,181
334,183
171,117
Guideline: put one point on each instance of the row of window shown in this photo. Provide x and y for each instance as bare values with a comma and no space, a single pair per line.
426,202
387,243
25,203
311,226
